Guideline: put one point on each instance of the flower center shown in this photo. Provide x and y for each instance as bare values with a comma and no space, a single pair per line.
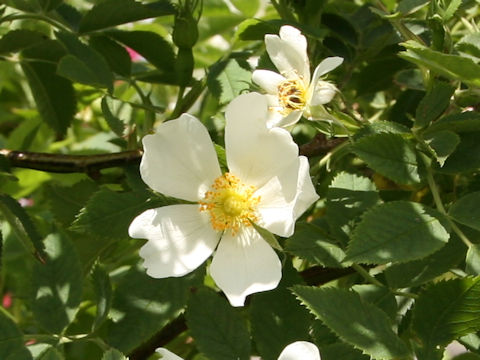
291,94
231,204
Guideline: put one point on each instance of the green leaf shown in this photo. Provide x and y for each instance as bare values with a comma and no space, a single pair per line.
342,351
466,156
22,226
454,67
348,197
218,329
472,260
434,103
143,305
83,64
418,272
66,201
266,308
255,29
12,346
114,122
103,292
113,354
355,321
451,9
469,44
56,288
108,213
396,232
53,94
407,7
442,144
379,296
228,79
48,5
150,45
116,55
51,354
116,12
446,311
248,8
310,243
466,211
267,236
390,155
17,40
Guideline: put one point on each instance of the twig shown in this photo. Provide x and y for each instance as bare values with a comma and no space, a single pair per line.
59,163
320,145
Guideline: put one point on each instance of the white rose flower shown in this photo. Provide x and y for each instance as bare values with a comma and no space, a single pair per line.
299,350
292,93
267,184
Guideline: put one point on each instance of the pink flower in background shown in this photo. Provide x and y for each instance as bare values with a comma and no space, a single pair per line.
134,55
7,300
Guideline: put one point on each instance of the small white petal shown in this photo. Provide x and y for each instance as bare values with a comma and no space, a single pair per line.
323,93
327,65
180,238
167,355
288,53
277,201
300,350
290,119
267,80
180,159
306,194
253,151
245,264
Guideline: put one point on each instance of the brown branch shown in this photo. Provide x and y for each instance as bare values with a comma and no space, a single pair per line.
319,145
60,163
91,164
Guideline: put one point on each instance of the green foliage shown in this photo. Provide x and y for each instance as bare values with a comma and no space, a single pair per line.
109,213
11,341
355,321
143,305
456,308
22,226
396,232
271,335
56,286
390,155
465,210
218,329
389,253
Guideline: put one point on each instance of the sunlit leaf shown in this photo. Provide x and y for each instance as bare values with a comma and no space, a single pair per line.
355,321
390,155
56,288
447,310
454,67
396,232
143,305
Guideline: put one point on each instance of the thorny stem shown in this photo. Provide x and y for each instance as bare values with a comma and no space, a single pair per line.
438,203
366,275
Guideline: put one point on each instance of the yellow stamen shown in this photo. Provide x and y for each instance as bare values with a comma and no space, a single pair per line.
292,95
231,204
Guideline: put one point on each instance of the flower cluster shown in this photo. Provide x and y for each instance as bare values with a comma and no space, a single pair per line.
267,184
